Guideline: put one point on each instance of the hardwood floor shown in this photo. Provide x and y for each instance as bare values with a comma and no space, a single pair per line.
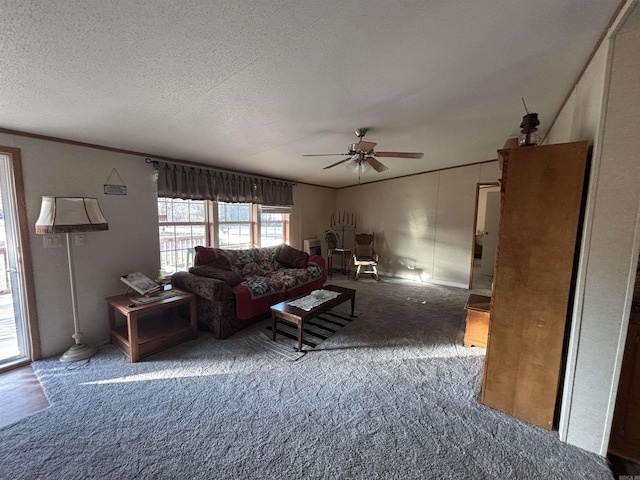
21,394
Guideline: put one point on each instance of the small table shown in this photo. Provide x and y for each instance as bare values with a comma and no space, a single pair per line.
478,317
345,254
297,316
141,337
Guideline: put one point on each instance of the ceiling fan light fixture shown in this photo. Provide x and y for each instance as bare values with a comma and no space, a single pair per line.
359,164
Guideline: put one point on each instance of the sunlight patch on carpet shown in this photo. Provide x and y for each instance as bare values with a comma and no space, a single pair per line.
167,374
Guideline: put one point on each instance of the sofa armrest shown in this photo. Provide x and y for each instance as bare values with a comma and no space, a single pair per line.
317,259
215,303
208,288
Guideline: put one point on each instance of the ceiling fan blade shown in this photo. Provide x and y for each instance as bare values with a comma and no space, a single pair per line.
337,163
400,154
377,166
366,147
325,155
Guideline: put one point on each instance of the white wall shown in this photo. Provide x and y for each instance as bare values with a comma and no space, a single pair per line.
561,130
423,223
402,215
612,256
455,228
312,207
606,112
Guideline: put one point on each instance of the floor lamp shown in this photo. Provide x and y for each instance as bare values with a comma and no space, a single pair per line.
71,215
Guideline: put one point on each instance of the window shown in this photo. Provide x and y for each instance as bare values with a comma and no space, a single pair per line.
234,225
185,224
274,225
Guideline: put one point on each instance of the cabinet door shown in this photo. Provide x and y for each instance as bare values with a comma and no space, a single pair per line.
542,190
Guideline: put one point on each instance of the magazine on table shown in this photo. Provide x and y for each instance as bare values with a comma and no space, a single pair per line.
141,283
156,297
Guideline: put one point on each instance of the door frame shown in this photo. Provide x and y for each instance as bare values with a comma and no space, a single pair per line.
24,255
479,186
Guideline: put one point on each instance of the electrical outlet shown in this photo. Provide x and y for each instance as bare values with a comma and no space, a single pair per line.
79,239
52,241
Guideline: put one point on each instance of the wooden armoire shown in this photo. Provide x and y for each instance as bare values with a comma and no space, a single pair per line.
540,223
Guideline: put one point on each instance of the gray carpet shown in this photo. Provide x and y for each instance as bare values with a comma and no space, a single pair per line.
391,395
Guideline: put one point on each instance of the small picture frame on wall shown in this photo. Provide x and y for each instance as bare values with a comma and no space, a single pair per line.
115,190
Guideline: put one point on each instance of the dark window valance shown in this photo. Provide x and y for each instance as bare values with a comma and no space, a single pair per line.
194,183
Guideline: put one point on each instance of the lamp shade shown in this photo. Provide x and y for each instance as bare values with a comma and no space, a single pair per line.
70,214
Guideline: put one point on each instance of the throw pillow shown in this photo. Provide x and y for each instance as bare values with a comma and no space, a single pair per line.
291,257
220,262
204,255
226,275
211,256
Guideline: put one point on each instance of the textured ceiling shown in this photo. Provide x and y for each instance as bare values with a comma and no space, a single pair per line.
253,85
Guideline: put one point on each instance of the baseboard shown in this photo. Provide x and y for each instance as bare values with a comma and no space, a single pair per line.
448,284
421,280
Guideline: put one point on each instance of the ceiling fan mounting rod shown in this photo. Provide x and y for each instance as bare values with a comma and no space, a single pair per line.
361,132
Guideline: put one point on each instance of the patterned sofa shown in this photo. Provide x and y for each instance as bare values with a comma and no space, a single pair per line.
235,288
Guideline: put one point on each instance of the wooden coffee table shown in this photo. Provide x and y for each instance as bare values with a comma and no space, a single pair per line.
297,316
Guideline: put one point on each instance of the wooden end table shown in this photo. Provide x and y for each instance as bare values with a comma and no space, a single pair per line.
345,255
297,316
152,327
478,318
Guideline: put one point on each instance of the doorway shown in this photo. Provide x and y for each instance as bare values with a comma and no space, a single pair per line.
19,341
485,238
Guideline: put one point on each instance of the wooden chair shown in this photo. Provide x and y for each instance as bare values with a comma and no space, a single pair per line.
365,256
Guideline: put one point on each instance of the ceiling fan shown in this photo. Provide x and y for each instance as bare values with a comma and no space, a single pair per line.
362,154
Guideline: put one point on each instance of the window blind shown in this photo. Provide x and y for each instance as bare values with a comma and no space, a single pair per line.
274,209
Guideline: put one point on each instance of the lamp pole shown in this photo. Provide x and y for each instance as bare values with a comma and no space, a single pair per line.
79,351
